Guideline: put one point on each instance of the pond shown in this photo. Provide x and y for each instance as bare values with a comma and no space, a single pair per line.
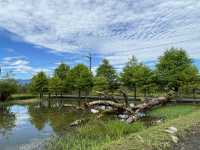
26,124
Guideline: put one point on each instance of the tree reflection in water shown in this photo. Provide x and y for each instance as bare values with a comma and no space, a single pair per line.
7,120
58,118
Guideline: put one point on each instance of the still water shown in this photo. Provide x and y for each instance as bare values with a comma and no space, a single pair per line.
27,124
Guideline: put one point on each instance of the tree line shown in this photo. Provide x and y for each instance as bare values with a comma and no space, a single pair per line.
173,71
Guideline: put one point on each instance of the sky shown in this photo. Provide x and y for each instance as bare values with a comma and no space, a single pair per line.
37,35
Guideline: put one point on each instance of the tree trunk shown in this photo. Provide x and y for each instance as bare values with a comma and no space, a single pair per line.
145,92
49,100
125,97
193,93
135,92
79,96
177,91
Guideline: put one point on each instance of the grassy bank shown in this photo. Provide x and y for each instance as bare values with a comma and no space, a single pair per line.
155,137
97,133
22,96
22,99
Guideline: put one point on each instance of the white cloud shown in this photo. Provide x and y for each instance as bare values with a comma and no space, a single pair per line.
113,28
21,65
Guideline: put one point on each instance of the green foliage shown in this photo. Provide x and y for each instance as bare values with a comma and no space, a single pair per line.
80,78
56,85
136,74
100,84
39,83
7,87
61,71
174,69
108,72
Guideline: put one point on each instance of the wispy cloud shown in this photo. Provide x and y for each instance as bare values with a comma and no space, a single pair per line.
21,65
115,29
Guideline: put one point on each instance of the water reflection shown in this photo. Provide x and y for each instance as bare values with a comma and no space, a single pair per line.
24,124
7,120
58,118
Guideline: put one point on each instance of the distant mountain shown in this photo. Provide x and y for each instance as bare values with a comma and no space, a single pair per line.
23,81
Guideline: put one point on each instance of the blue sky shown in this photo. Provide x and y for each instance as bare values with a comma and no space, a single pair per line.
36,35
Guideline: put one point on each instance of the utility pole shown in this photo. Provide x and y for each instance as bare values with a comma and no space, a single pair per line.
90,60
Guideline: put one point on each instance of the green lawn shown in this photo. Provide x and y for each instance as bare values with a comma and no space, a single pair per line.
97,133
172,111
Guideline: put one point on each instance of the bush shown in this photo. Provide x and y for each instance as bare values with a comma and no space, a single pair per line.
7,87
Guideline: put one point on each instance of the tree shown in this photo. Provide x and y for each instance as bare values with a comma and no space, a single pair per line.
174,69
136,75
100,84
39,83
108,72
7,88
80,78
60,74
55,85
61,71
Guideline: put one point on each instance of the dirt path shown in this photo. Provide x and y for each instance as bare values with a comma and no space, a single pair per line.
190,142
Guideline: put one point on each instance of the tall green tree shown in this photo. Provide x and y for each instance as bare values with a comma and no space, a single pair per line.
39,83
80,78
55,85
100,84
174,69
135,75
60,75
107,71
61,71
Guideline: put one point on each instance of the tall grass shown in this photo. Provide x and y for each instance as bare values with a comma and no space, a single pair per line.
97,133
93,135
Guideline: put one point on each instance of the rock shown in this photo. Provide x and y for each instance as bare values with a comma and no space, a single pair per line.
174,139
123,116
131,119
109,108
132,105
158,121
102,107
76,123
174,129
94,111
122,120
140,114
171,130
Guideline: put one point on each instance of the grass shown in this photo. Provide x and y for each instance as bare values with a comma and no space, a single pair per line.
97,133
154,138
22,96
94,134
173,111
21,99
